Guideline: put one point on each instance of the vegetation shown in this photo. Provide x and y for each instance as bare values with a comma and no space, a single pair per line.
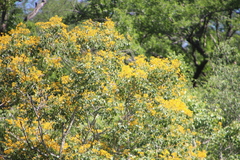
10,15
55,7
142,84
163,26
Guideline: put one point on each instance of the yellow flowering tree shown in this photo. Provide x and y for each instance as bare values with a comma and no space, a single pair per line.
68,94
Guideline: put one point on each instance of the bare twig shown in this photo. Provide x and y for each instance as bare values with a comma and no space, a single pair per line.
65,133
36,10
26,137
39,125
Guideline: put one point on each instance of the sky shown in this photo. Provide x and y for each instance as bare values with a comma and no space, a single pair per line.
27,5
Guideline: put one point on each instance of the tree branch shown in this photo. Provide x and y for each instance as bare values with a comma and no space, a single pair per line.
65,133
39,125
230,31
36,10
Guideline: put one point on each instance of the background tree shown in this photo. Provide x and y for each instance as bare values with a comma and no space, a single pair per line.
162,26
38,7
222,90
9,15
55,7
186,20
96,10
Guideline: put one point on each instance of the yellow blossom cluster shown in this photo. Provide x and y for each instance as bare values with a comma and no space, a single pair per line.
30,134
52,23
4,41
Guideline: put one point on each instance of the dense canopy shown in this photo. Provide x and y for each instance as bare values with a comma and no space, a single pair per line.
120,80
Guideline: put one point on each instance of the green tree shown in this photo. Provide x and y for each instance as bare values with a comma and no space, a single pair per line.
221,94
96,10
163,26
69,94
9,15
55,7
187,20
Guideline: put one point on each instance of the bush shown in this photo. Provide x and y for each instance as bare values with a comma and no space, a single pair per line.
69,94
221,94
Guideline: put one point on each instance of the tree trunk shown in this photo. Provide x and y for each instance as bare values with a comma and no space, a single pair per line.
199,67
3,26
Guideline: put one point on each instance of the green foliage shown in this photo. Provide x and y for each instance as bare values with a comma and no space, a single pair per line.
222,88
222,91
55,7
84,92
160,27
221,95
15,17
96,10
10,15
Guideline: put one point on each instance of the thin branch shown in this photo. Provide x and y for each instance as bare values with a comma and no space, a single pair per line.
229,32
64,134
33,148
217,31
39,125
36,10
26,137
194,57
214,40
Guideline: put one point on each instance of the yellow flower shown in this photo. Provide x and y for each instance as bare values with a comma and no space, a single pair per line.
140,61
20,29
141,153
84,148
8,151
126,72
4,40
109,24
165,152
202,154
35,74
47,125
102,153
14,84
134,122
139,73
198,143
145,95
110,44
105,153
32,40
53,22
174,154
126,151
177,105
120,107
192,153
181,129
65,79
175,63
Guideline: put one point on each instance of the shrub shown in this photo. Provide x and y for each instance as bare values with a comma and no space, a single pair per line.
69,94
